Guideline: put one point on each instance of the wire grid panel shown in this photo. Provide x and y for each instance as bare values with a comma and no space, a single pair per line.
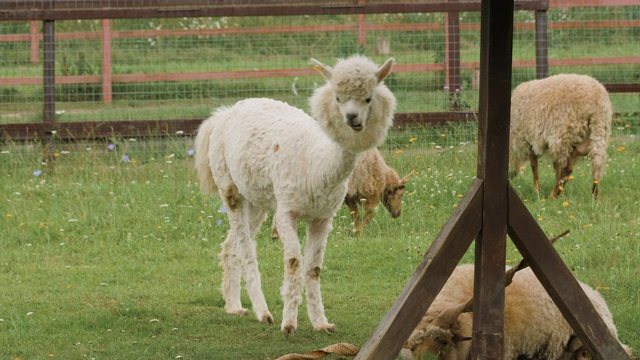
20,98
182,68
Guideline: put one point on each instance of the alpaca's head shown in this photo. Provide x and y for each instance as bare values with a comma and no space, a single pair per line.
354,106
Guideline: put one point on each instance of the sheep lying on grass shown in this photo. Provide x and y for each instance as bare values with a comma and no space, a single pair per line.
534,328
564,116
263,155
371,182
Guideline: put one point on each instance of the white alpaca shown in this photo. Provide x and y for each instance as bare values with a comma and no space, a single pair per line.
263,155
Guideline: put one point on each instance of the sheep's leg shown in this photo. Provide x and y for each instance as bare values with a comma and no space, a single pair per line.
533,160
291,290
369,207
352,203
256,217
317,232
562,176
597,166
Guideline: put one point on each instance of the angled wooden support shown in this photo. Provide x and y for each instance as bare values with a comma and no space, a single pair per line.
489,210
557,279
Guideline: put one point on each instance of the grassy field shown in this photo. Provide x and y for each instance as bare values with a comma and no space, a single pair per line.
111,253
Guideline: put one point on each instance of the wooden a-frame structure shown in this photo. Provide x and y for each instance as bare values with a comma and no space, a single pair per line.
489,211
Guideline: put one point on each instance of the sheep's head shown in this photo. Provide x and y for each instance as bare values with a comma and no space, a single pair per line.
393,192
355,106
438,334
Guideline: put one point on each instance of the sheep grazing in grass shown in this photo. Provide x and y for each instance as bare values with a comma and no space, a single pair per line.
534,328
263,155
563,116
373,181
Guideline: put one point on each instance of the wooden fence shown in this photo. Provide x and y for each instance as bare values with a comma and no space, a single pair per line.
48,12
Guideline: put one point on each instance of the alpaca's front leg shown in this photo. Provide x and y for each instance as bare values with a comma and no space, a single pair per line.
317,232
291,290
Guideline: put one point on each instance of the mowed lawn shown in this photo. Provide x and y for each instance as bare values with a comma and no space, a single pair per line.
111,253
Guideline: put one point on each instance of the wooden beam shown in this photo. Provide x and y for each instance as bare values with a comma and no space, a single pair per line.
126,9
434,270
493,150
557,279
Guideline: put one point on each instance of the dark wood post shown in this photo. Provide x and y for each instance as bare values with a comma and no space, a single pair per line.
49,82
493,153
542,56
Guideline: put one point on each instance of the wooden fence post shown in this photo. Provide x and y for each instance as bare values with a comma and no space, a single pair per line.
542,56
362,31
106,62
33,40
452,57
49,82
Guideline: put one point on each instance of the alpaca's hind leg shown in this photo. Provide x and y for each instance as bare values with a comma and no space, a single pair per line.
231,264
255,218
317,232
291,290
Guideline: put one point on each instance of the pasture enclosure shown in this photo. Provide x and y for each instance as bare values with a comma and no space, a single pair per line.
86,69
120,239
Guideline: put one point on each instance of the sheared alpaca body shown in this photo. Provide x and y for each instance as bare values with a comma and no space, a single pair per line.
263,155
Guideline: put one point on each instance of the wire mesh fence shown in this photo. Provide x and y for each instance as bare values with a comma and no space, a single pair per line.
181,67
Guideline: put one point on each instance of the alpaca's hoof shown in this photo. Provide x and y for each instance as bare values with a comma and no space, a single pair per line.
288,330
266,318
328,328
238,312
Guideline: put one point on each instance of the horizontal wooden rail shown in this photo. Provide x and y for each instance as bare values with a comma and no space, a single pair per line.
127,34
561,4
119,9
96,130
301,72
93,130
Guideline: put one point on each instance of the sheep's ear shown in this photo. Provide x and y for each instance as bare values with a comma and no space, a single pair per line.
325,70
384,70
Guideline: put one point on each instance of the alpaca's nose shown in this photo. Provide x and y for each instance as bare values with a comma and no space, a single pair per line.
354,122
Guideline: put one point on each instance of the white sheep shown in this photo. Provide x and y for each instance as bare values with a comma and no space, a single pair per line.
564,116
263,155
373,181
534,328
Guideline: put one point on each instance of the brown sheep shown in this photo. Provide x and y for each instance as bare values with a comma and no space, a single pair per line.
371,182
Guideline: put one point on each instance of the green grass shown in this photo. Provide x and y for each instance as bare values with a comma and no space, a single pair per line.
107,259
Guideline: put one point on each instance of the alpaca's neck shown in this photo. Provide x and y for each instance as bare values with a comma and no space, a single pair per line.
335,162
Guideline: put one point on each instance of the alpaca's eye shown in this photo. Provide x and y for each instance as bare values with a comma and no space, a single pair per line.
368,100
338,99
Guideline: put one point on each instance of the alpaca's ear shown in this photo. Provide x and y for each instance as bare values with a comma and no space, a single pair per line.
325,70
384,70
